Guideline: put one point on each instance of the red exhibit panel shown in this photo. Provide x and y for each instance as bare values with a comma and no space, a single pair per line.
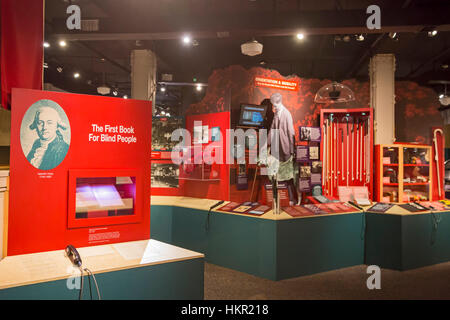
198,178
80,171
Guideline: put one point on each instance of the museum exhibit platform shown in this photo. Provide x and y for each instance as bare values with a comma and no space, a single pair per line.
147,269
402,240
270,246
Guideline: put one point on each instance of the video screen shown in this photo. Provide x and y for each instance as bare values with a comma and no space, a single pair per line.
252,115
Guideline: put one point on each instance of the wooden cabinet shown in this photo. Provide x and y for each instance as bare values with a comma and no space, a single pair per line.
403,173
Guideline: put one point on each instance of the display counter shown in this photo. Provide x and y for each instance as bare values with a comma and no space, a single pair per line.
400,239
147,269
269,246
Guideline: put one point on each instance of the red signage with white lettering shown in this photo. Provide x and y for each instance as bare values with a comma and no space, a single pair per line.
276,83
80,170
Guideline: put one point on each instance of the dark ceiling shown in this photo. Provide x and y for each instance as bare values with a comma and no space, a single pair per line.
221,26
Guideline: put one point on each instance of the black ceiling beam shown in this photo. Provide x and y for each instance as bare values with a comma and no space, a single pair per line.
102,55
155,27
433,59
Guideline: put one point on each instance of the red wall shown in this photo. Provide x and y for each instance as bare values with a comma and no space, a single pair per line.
38,213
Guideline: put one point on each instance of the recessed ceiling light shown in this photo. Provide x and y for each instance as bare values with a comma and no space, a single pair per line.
359,37
62,43
444,66
199,88
392,35
300,36
346,38
46,44
187,39
59,69
163,89
76,75
432,33
125,97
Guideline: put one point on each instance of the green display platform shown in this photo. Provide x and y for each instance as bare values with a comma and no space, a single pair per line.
405,242
182,280
271,249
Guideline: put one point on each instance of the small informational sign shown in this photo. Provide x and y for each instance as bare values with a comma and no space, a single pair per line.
314,152
312,134
283,194
304,185
302,153
276,83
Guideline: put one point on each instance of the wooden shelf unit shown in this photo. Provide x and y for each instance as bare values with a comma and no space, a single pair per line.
398,165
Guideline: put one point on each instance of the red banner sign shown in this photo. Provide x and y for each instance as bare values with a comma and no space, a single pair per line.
276,83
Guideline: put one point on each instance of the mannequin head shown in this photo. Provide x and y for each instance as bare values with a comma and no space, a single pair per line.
277,102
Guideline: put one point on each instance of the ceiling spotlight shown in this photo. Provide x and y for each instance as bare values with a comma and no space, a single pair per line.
199,87
263,62
444,66
195,43
441,96
359,37
62,43
392,35
300,36
76,75
163,113
346,38
46,44
115,93
187,39
163,89
45,65
125,97
59,69
432,33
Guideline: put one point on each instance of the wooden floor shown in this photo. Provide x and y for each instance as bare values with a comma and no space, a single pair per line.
431,282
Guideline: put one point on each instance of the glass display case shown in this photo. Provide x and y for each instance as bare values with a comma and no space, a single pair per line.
403,173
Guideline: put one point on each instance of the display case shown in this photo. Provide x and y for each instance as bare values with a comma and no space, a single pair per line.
346,149
403,173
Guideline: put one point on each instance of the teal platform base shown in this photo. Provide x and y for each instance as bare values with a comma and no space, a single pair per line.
407,242
182,280
268,249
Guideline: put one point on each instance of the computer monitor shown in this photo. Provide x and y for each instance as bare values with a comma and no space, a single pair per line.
252,115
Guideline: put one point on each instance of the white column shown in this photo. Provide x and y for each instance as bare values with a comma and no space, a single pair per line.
143,75
382,97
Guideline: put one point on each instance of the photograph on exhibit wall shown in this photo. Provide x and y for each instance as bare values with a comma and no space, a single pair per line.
162,128
165,175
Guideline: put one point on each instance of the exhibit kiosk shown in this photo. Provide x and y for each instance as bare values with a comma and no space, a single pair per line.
79,204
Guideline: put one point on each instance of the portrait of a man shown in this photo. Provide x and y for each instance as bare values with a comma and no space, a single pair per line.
49,147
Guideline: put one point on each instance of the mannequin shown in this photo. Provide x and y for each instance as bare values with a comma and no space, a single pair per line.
284,149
